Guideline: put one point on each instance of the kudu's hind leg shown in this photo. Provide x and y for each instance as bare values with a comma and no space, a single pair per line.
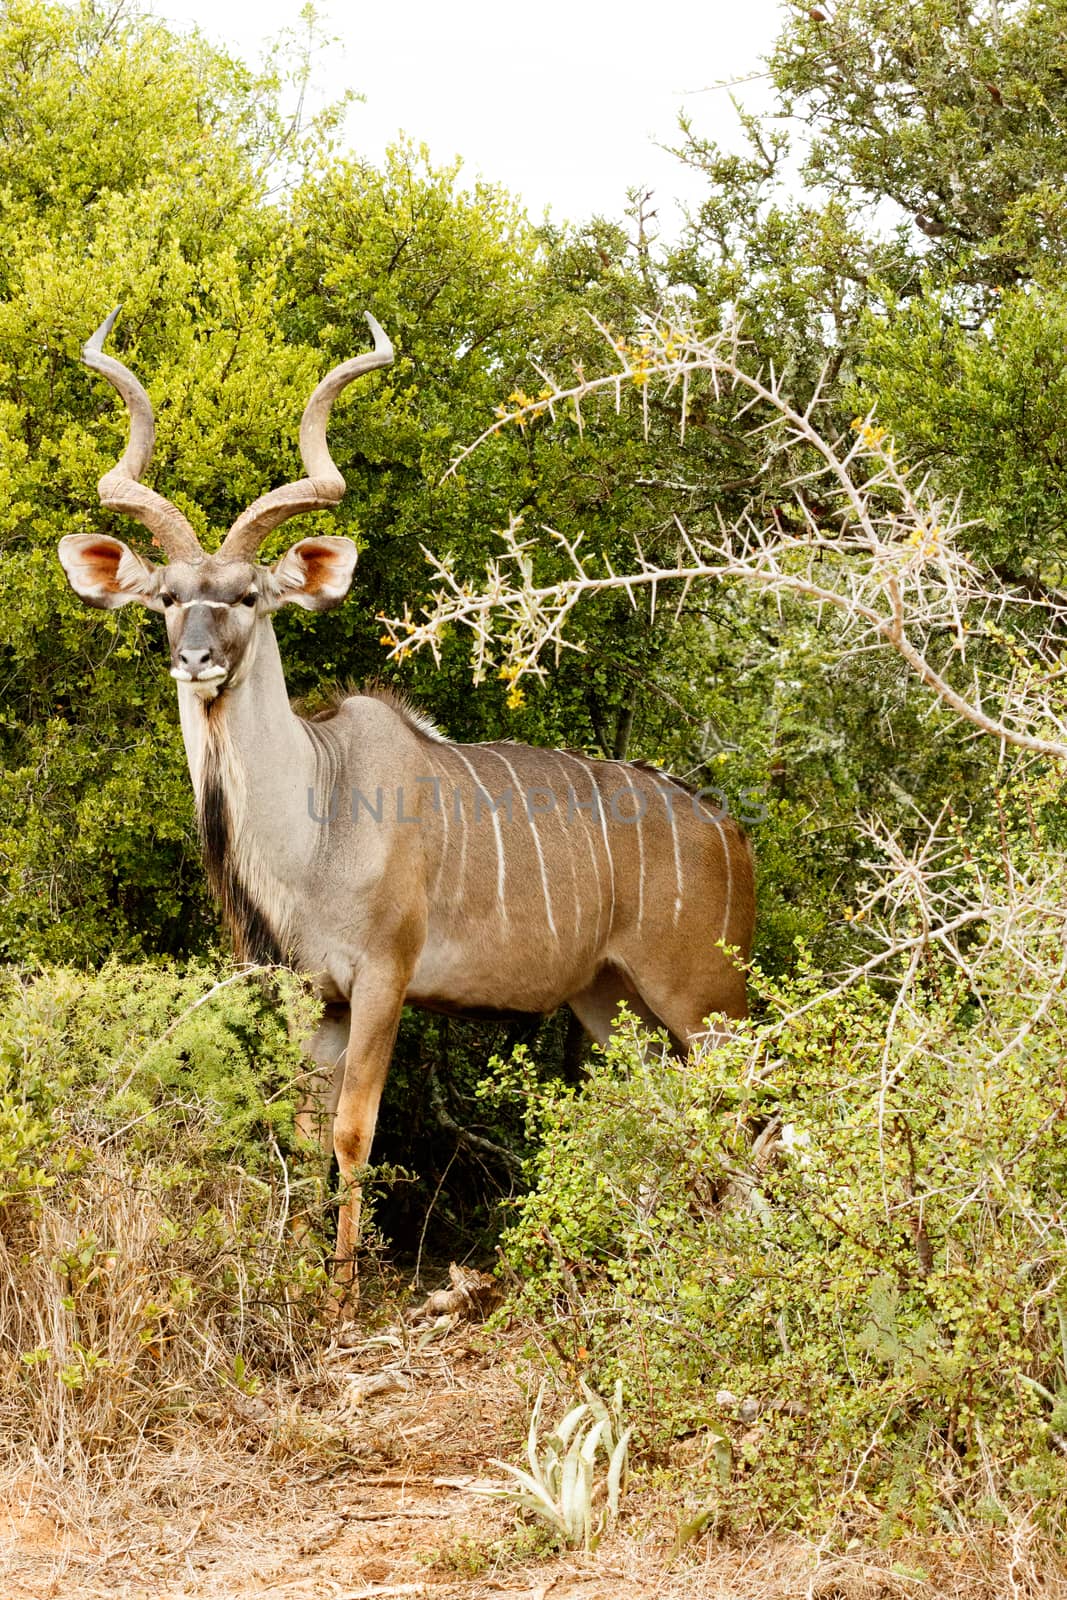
658,1005
683,1011
596,1005
376,1006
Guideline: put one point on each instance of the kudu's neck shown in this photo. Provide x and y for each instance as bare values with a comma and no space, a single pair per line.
252,765
250,723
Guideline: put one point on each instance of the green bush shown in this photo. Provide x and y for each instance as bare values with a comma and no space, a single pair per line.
148,1178
833,1247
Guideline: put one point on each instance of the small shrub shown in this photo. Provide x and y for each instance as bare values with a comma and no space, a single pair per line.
470,1557
148,1177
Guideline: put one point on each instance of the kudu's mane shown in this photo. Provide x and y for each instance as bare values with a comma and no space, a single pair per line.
259,927
337,694
256,937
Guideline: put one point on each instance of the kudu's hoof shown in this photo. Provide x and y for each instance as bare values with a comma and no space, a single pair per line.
342,1302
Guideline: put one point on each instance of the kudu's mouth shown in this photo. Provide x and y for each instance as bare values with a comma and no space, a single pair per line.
206,684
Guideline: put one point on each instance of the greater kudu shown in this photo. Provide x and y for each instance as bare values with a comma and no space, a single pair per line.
369,850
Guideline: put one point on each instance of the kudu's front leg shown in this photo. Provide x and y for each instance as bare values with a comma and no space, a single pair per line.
376,1006
326,1049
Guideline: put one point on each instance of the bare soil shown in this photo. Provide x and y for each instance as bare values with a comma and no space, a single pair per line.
364,1486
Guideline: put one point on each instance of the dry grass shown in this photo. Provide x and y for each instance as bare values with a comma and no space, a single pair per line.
126,1304
151,1286
359,1482
261,1494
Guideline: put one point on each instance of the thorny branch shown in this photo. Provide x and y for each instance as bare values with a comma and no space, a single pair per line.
853,530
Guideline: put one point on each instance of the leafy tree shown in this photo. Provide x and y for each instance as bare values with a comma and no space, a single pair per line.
132,165
983,409
948,118
152,189
951,110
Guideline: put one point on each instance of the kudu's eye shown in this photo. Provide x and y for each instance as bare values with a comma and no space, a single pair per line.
166,600
249,599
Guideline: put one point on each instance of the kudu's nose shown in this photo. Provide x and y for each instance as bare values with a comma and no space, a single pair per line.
195,661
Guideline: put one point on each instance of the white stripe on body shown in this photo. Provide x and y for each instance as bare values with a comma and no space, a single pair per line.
729,878
501,871
603,829
589,844
537,845
443,809
639,817
602,809
667,796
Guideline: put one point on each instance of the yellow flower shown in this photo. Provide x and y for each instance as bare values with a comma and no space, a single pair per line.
926,540
871,436
516,699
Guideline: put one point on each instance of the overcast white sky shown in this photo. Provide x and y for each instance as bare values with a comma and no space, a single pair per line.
561,100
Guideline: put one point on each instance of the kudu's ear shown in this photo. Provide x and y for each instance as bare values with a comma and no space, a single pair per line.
316,573
105,572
